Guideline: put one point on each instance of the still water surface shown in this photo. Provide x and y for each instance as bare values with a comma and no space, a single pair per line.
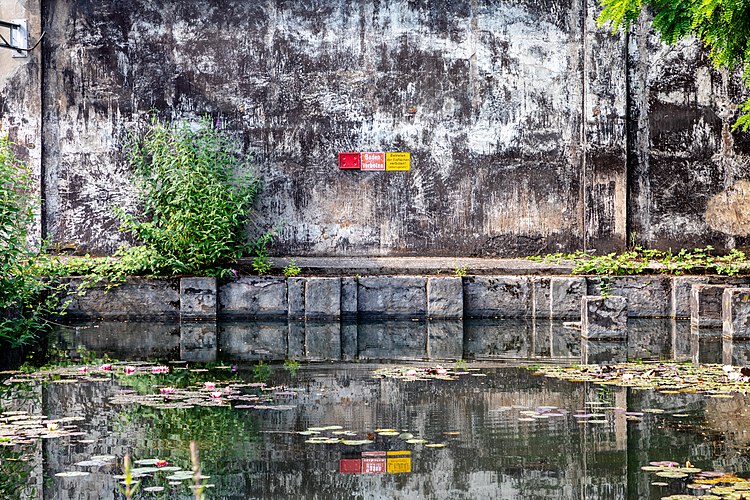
507,432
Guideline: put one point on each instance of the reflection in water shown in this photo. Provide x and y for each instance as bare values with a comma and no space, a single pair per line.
502,440
493,448
477,339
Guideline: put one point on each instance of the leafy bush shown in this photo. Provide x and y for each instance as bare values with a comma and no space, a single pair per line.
25,299
639,260
197,198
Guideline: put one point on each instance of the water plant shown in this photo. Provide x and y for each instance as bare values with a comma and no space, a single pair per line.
131,486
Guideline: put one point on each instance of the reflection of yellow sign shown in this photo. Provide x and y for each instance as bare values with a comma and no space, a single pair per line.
399,453
399,465
398,161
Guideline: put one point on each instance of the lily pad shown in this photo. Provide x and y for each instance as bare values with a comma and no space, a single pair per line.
672,474
72,473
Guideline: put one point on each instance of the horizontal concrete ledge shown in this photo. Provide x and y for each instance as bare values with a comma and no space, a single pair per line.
429,266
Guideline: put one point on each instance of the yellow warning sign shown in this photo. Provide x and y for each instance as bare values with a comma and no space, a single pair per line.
398,161
399,465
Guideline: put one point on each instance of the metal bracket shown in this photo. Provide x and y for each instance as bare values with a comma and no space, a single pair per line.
18,34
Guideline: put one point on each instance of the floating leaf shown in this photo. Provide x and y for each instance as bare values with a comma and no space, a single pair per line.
435,445
672,474
72,473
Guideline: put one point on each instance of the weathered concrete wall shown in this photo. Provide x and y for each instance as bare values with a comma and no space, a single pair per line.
687,172
486,96
21,96
531,130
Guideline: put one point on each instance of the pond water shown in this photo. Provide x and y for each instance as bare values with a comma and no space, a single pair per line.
488,428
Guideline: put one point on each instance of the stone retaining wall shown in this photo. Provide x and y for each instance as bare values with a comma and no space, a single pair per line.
438,297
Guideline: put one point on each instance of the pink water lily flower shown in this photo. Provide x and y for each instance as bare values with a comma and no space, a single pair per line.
216,395
209,386
106,367
129,370
83,370
167,390
161,463
159,369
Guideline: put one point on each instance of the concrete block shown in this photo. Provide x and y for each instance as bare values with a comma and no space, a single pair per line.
349,340
348,297
254,297
736,352
295,291
565,341
706,305
198,298
392,296
681,286
322,340
540,297
445,297
604,317
295,340
681,349
565,297
125,339
541,338
445,339
392,339
647,296
136,298
489,339
250,341
323,298
603,351
735,313
649,339
198,341
497,296
705,345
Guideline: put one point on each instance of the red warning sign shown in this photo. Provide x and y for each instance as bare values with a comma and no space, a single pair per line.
349,161
373,161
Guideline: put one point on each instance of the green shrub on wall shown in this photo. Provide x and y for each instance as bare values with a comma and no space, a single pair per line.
24,303
197,197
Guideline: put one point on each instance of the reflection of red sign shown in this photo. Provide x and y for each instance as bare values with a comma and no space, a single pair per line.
373,161
350,465
373,453
349,161
373,465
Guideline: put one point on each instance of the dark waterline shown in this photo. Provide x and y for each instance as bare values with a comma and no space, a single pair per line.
470,339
